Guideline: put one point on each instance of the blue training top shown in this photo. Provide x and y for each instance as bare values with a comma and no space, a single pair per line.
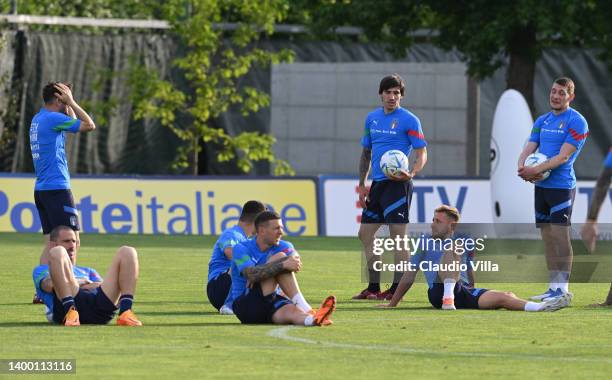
608,160
219,263
399,129
42,271
425,259
551,131
247,254
47,145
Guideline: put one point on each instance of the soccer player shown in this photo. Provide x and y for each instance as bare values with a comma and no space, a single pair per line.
75,294
60,113
219,278
589,230
560,135
259,267
447,288
387,201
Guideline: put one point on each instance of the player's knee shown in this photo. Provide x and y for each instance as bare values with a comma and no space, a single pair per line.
276,257
128,252
57,254
365,236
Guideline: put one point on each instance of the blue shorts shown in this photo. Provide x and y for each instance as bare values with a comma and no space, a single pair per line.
218,289
388,202
554,205
465,297
56,208
93,306
255,308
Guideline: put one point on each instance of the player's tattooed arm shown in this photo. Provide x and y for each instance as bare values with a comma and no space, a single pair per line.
364,165
601,188
262,272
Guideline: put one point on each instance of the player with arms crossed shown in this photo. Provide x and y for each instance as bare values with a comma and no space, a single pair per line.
75,294
589,230
447,289
219,277
387,201
560,135
259,267
54,202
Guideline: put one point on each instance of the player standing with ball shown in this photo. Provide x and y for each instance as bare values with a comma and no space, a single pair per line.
387,201
560,135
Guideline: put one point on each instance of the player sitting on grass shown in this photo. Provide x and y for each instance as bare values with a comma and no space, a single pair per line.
447,291
259,267
75,294
219,278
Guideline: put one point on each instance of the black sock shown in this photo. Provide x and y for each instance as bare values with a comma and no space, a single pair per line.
125,302
397,276
68,302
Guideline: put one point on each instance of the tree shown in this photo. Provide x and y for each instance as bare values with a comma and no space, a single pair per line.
214,61
487,33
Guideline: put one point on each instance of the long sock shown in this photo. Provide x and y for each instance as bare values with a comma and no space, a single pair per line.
533,306
449,288
552,279
563,280
68,302
299,300
309,321
397,276
374,276
125,302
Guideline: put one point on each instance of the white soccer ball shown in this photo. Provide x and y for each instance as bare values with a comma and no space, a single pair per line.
392,162
535,159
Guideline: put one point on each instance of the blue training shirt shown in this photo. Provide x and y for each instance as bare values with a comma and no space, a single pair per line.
399,129
47,145
424,259
551,131
247,254
219,263
42,271
608,160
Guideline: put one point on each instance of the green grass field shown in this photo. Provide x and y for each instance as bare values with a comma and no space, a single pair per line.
184,336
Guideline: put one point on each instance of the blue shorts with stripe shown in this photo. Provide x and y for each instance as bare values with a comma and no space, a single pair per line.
465,296
254,307
56,208
388,202
554,206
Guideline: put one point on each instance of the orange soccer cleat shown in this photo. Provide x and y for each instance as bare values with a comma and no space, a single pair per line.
128,318
72,318
327,308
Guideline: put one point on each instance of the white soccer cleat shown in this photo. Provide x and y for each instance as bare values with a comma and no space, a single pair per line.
557,303
448,304
226,310
547,294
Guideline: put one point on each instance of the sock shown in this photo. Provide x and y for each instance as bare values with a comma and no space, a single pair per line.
393,287
449,288
299,300
552,279
309,321
125,302
68,302
563,280
374,285
397,276
533,306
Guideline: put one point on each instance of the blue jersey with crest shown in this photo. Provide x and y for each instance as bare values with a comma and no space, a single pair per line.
551,131
399,129
219,263
247,254
42,271
47,146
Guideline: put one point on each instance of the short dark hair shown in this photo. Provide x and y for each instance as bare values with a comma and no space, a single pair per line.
264,217
391,81
250,211
54,235
567,83
49,91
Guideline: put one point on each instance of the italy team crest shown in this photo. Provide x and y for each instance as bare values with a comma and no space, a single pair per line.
394,123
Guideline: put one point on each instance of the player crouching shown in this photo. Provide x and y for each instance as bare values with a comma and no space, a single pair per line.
259,267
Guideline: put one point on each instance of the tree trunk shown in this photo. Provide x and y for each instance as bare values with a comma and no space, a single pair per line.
523,53
196,153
